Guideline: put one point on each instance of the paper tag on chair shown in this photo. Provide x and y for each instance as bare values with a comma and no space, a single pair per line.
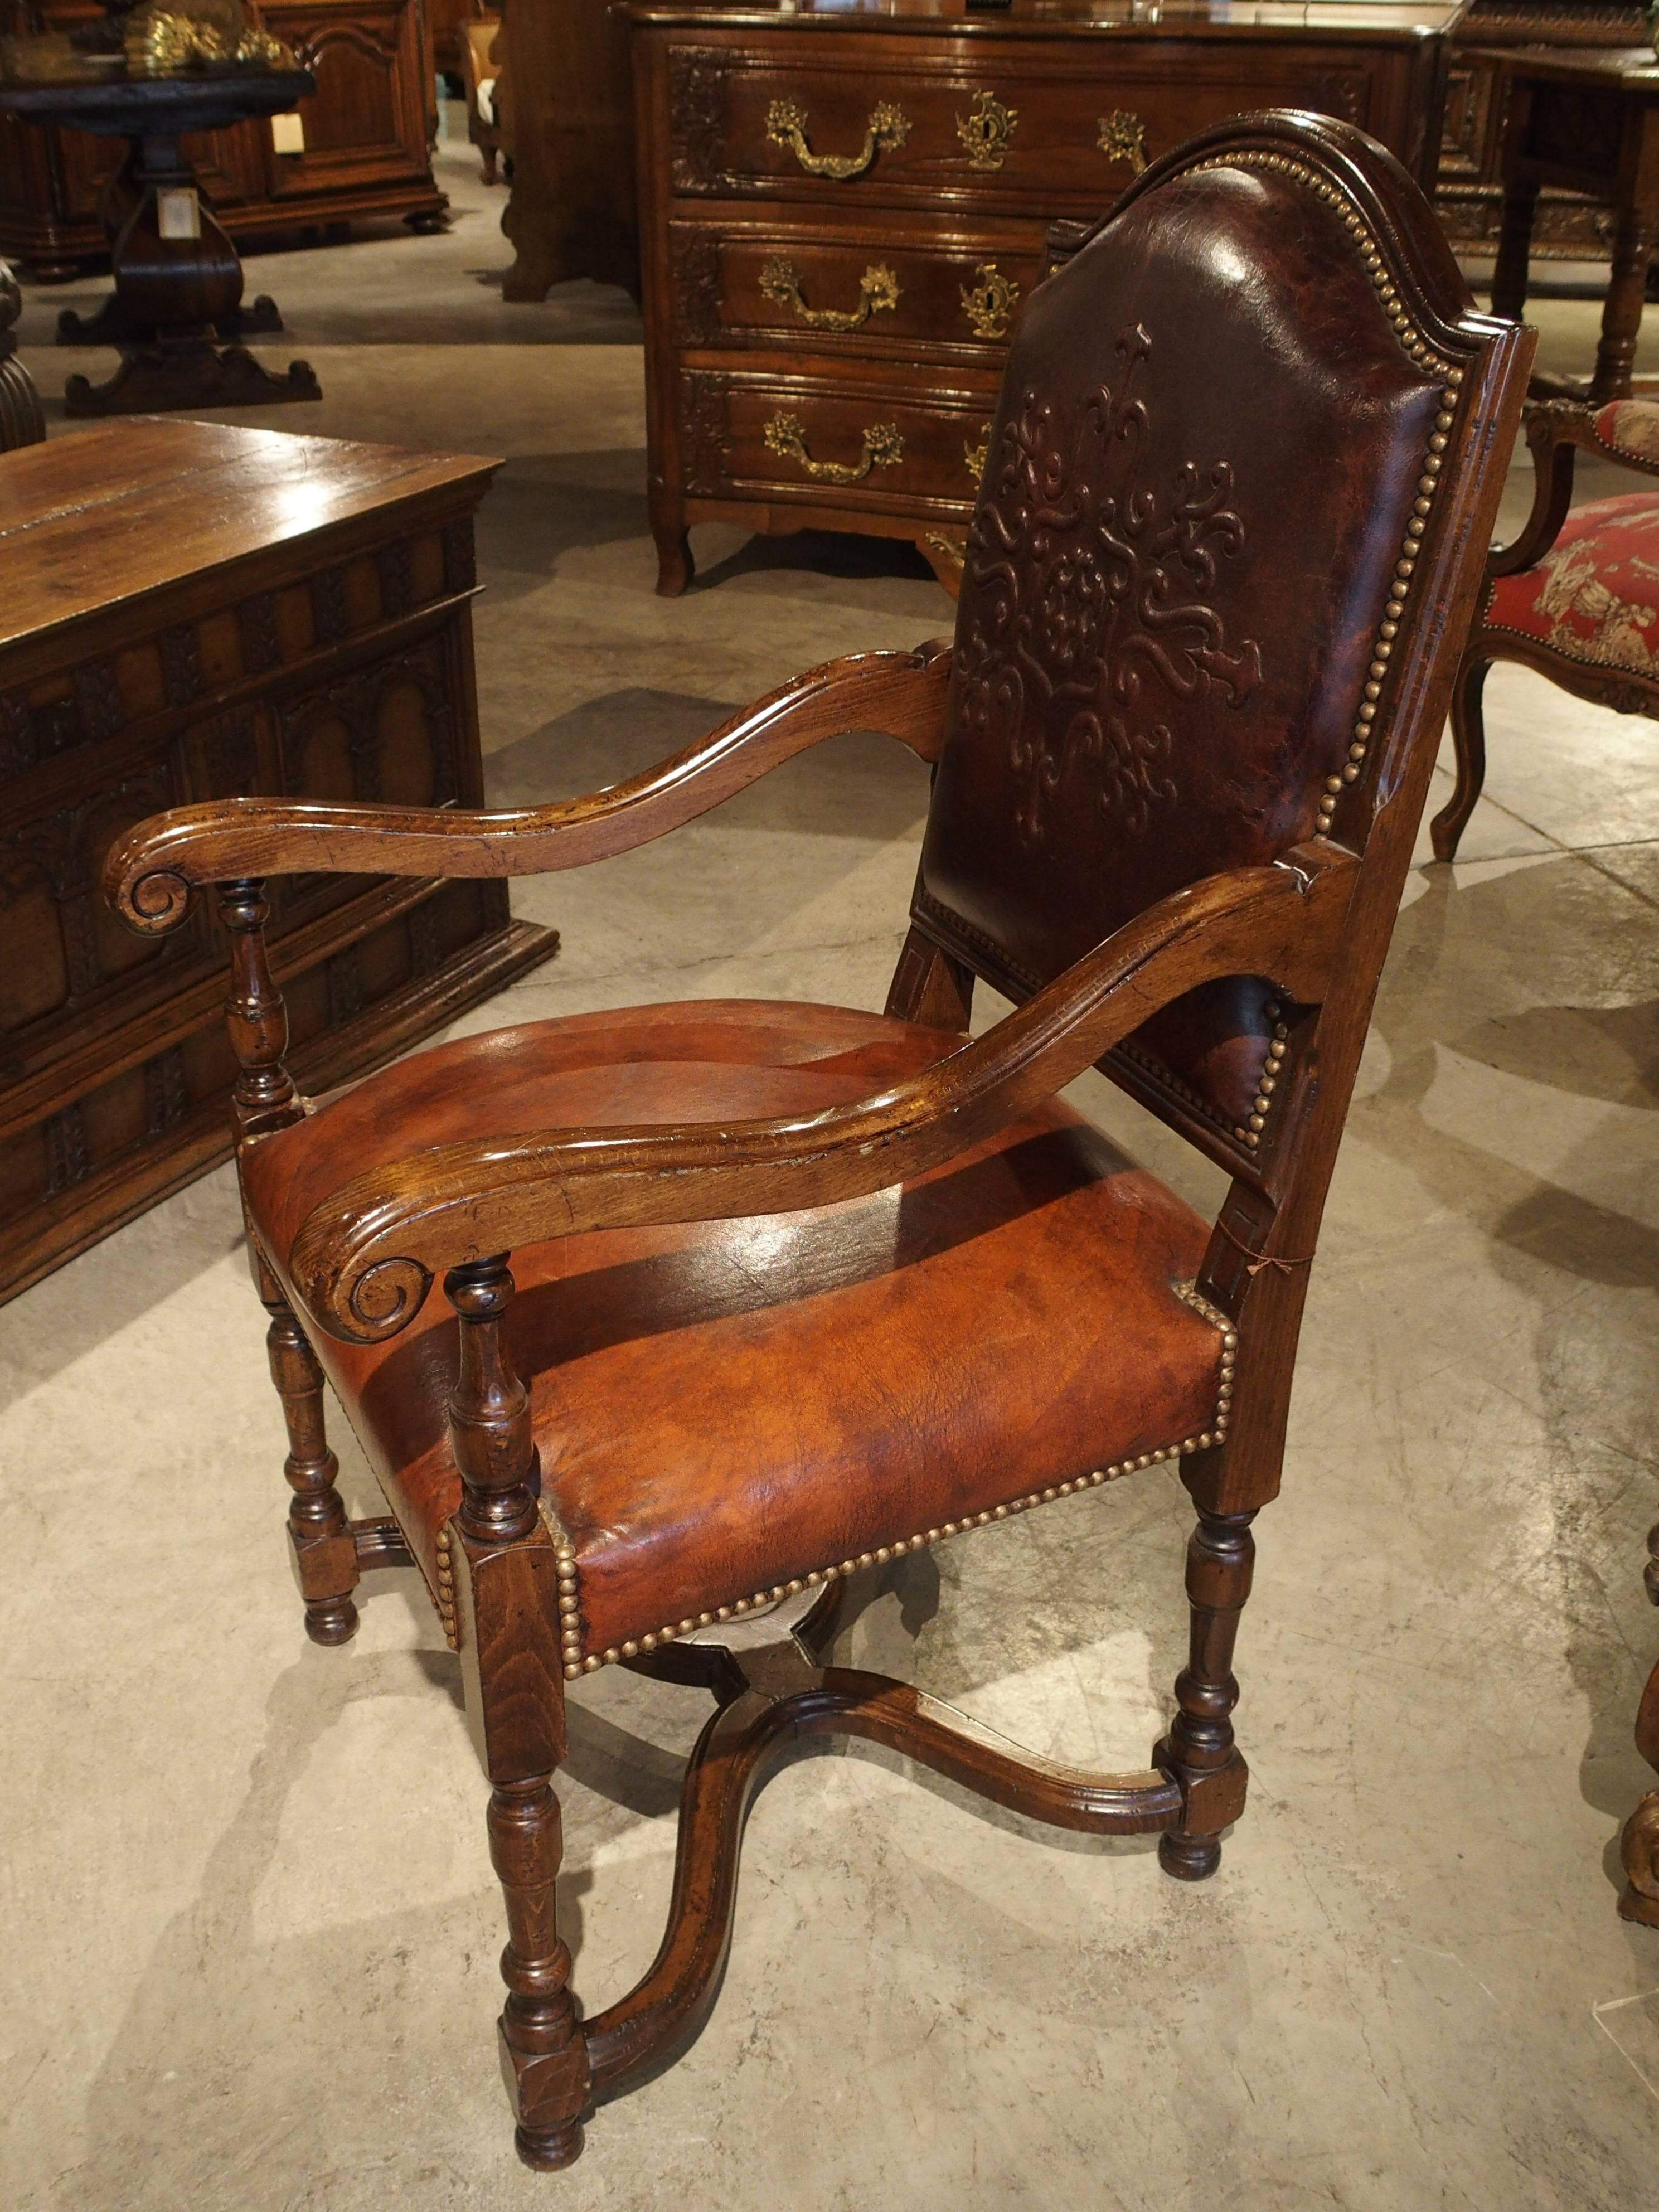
287,134
177,212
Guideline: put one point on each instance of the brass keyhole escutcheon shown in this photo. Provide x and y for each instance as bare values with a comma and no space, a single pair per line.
977,456
988,304
985,132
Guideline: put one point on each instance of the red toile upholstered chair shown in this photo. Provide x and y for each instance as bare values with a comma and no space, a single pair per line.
1576,596
738,1298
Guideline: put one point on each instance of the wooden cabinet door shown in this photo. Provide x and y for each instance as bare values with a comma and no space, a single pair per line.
366,122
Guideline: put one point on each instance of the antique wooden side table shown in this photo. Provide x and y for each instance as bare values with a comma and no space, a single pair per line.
178,277
191,611
1589,122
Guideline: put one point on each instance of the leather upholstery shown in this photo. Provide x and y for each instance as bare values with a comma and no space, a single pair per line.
1174,578
722,1407
1595,595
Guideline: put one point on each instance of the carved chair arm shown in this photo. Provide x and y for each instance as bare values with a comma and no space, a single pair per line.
364,1258
150,872
1626,431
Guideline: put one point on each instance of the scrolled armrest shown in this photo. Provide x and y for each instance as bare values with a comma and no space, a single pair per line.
364,1258
151,871
1624,430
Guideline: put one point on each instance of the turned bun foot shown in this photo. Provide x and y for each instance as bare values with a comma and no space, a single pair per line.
548,2149
331,1621
1189,1858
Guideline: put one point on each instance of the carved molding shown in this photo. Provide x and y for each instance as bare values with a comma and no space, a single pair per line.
704,439
696,106
694,272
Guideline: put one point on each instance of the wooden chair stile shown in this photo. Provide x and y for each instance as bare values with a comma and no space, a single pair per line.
687,1368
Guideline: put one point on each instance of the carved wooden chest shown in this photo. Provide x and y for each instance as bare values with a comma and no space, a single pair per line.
192,612
843,205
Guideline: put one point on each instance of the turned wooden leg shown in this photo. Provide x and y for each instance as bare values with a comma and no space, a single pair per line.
325,1551
1468,724
1198,1750
1508,275
1621,314
542,2059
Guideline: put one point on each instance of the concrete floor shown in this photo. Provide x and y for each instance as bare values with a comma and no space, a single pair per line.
248,1926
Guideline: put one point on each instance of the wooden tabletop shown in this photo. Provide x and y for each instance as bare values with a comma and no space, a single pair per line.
1604,69
1370,19
109,515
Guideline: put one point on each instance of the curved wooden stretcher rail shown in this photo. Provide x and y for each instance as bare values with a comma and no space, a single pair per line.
784,1700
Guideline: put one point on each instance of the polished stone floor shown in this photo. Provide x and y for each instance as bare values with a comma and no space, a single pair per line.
248,1929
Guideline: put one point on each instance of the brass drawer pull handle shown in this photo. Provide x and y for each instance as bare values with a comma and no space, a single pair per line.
785,125
883,448
986,131
976,456
1123,138
878,292
988,304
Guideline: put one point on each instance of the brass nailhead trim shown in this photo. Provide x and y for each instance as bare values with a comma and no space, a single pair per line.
445,1592
1205,1441
1423,356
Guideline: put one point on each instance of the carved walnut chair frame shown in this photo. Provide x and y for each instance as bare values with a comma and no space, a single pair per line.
1558,431
1310,920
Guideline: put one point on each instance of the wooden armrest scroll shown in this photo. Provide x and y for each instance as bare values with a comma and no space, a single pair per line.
150,872
364,1258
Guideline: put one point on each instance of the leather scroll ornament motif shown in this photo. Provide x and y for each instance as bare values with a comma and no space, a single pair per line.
1099,601
785,125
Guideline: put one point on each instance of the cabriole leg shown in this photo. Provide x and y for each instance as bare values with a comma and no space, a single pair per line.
1199,1749
543,2061
1469,745
324,1554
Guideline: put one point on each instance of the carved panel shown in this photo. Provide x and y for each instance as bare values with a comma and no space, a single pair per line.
696,104
66,1156
165,1096
328,606
460,560
361,705
395,570
262,642
1101,612
34,731
181,663
696,273
704,439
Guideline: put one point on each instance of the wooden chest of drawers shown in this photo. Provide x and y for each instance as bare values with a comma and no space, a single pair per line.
843,207
191,611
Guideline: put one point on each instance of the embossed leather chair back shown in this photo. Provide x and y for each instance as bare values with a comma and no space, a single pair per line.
1215,451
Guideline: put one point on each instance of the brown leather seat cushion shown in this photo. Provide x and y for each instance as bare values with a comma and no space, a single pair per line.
727,1406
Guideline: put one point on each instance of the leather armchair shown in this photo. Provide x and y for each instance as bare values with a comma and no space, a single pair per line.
740,1298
